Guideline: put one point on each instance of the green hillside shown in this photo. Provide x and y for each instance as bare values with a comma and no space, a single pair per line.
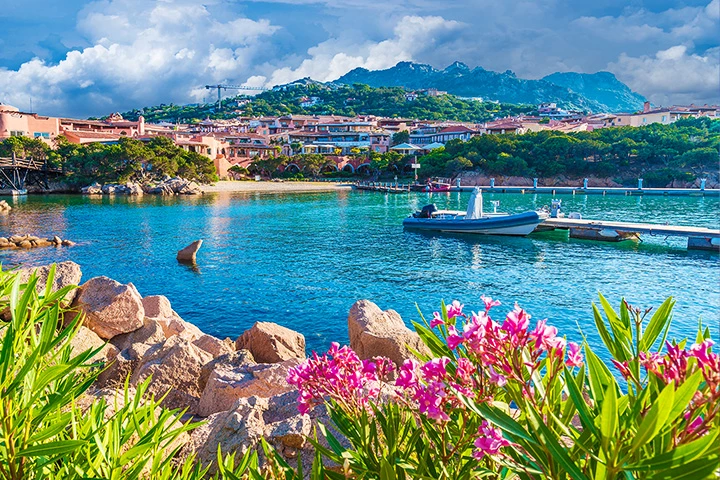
347,100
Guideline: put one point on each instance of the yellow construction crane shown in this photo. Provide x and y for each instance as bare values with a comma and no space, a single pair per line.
221,87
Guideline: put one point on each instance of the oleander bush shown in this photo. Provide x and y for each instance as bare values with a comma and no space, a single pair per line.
488,399
514,400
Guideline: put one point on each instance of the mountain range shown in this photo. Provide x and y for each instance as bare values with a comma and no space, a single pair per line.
597,92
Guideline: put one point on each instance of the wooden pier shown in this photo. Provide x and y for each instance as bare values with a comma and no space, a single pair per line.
698,238
17,173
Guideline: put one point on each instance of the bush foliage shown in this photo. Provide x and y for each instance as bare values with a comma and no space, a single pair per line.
485,399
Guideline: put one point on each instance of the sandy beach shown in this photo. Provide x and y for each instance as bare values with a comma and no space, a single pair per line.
273,187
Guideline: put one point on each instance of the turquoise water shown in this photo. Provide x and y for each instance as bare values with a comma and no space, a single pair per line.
303,259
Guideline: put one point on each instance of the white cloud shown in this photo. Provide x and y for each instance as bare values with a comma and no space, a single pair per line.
333,58
142,53
673,75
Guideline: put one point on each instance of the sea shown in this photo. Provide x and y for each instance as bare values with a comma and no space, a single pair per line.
302,260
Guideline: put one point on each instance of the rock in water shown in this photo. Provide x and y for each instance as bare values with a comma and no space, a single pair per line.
377,333
271,343
188,254
111,308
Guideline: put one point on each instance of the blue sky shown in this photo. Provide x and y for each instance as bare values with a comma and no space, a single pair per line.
82,58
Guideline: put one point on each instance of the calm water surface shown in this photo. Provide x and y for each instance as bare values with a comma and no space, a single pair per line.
303,259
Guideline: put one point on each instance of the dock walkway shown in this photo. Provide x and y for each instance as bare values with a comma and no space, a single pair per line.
628,191
699,238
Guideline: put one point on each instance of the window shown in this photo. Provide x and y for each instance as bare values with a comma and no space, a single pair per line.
42,134
664,118
644,119
17,133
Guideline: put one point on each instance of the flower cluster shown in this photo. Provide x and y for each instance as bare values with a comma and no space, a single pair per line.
339,375
489,441
487,356
675,366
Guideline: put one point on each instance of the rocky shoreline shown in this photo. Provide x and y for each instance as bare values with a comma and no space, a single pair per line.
238,387
31,241
169,186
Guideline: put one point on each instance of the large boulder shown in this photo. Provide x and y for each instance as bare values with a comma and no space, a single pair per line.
85,339
276,419
376,333
228,382
158,308
175,367
271,343
131,347
110,307
66,273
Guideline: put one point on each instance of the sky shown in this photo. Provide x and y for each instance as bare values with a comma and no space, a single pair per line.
90,58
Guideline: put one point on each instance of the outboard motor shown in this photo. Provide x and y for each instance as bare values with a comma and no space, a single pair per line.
555,208
426,211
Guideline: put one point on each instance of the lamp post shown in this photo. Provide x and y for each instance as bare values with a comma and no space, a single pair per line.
415,166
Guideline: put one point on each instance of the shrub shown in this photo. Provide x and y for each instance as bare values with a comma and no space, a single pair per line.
46,434
514,400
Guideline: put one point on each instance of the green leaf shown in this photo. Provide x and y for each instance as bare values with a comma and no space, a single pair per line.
684,394
549,441
582,408
678,456
599,376
697,469
655,418
52,448
660,319
609,417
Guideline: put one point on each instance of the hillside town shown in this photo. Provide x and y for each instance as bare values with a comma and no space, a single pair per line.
342,140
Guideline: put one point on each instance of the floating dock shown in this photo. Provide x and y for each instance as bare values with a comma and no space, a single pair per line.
698,238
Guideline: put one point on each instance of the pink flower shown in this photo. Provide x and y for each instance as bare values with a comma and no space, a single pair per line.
496,378
544,335
516,324
435,368
465,369
695,424
430,401
575,358
436,320
489,302
407,377
489,441
649,360
339,375
453,338
703,354
623,367
455,310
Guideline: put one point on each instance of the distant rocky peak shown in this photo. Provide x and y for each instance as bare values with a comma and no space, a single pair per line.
457,67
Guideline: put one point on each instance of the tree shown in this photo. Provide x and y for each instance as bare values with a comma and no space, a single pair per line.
401,137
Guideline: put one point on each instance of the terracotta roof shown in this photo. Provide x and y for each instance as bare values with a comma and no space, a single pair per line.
455,129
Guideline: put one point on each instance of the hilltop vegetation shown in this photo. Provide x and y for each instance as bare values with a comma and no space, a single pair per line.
661,153
348,100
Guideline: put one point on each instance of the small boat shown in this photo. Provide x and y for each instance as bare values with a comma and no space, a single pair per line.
437,186
474,220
